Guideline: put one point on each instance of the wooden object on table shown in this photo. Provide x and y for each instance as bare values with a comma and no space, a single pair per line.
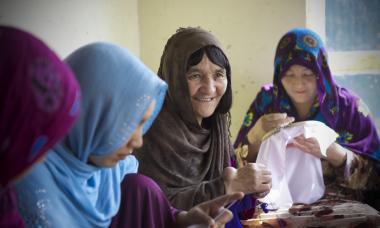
323,213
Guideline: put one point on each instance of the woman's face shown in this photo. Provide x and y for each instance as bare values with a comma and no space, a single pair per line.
207,84
301,85
135,142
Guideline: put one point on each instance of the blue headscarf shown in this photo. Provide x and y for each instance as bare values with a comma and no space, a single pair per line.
116,92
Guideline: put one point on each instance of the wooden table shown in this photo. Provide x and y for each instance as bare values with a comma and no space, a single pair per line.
323,213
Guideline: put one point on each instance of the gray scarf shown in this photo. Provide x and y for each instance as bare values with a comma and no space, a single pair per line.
185,159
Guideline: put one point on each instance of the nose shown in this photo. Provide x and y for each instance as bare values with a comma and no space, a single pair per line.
298,81
208,85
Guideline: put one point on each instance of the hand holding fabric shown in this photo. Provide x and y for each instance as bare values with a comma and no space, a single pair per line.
210,213
308,145
267,123
336,154
253,179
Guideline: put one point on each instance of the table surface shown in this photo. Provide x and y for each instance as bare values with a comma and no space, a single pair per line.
323,213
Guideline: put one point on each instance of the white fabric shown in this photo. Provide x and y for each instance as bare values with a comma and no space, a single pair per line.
297,176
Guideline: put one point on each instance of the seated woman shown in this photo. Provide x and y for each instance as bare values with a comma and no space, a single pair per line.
39,100
78,185
304,89
188,150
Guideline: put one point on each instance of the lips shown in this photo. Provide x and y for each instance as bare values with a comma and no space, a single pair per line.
204,99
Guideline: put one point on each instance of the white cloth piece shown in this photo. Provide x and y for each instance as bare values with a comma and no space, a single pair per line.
297,176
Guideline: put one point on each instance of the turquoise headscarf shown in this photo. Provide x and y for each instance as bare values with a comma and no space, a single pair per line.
116,91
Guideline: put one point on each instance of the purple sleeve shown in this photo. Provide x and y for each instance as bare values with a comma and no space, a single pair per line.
260,105
242,210
360,134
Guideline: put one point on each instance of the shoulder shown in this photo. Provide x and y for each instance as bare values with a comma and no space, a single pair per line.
264,97
349,100
38,176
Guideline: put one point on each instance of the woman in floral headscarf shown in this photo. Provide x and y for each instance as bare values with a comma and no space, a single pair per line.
39,102
304,89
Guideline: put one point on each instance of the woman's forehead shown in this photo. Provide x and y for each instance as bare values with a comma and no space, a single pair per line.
297,67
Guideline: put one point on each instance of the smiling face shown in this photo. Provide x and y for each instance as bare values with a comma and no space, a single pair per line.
207,83
301,85
134,142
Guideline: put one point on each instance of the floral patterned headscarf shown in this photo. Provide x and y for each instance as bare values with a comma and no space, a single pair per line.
304,47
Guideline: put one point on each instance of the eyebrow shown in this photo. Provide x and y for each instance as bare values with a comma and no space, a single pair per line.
191,70
195,69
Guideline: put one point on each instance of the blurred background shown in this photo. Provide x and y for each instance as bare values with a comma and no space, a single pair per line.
248,30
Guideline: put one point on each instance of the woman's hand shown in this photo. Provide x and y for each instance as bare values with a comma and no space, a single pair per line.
335,154
263,125
210,213
253,179
267,123
308,145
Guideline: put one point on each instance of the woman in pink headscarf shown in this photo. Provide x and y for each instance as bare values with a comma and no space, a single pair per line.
39,102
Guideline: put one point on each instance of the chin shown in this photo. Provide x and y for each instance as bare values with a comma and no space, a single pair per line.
110,164
207,115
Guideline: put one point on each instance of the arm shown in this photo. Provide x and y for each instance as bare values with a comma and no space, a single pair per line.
258,121
361,140
187,197
337,155
211,213
264,124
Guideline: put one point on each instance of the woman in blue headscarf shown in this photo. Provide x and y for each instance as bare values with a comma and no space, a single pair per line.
78,185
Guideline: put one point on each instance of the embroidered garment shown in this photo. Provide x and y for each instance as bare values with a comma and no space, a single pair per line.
297,176
335,106
65,190
39,102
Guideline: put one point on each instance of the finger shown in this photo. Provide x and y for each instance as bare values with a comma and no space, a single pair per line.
309,143
200,216
266,179
302,147
298,141
283,122
258,165
291,144
261,195
221,201
275,116
266,172
289,120
224,217
263,188
311,140
302,136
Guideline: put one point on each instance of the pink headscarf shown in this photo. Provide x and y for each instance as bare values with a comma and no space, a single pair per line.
39,102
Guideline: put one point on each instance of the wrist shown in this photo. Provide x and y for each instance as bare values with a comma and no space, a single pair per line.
227,179
252,137
336,155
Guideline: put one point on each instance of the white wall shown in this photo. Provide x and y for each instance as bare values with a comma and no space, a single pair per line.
69,24
248,29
